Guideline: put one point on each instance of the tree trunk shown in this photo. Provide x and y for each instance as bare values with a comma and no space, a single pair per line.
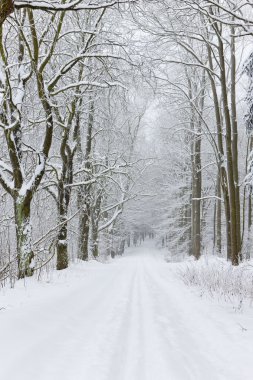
196,201
6,8
94,225
221,157
235,142
249,232
62,247
230,164
84,191
64,194
84,228
249,204
122,247
94,237
218,216
25,253
196,124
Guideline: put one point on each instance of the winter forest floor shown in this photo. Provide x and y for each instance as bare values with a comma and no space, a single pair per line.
130,319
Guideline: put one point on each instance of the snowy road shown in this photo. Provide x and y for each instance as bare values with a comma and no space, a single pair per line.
132,319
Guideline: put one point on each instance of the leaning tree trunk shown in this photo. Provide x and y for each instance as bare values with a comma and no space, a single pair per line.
25,255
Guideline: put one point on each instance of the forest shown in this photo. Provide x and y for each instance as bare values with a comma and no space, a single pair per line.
110,104
125,125
102,103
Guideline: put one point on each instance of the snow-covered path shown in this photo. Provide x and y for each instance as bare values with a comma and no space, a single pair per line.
131,319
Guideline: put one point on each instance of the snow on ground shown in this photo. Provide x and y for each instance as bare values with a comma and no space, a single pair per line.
131,319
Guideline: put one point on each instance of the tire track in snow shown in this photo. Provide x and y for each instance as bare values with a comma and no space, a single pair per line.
140,355
128,360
